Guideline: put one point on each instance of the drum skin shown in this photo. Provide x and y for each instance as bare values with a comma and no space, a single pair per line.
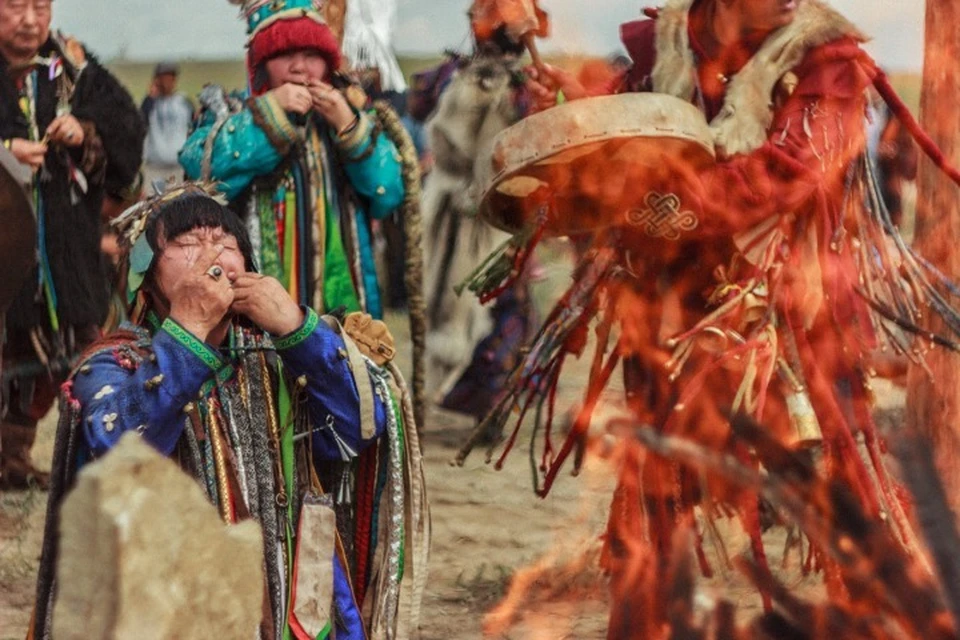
597,163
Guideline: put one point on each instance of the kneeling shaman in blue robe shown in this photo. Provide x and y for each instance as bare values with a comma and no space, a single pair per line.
250,394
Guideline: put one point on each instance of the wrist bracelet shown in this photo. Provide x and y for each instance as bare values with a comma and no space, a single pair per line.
350,127
7,144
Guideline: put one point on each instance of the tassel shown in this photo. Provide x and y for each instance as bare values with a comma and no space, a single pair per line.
889,95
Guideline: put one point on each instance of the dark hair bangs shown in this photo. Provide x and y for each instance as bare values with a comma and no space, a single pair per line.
196,211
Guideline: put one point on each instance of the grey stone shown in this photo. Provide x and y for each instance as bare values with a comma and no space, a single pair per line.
143,554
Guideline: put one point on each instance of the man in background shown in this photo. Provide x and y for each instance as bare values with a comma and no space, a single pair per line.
66,118
168,115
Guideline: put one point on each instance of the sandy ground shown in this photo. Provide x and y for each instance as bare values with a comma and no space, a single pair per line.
488,529
487,526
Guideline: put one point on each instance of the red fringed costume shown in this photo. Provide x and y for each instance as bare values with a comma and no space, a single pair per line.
795,277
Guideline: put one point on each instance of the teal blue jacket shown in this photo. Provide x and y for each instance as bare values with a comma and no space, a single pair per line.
254,141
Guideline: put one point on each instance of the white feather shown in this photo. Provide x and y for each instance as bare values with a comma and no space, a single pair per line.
367,40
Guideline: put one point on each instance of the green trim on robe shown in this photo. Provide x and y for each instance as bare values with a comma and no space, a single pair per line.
338,289
270,264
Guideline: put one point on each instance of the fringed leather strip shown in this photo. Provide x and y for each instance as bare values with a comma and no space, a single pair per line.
417,528
266,450
886,91
380,606
62,477
366,480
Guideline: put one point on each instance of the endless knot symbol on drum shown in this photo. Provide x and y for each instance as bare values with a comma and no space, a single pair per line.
662,217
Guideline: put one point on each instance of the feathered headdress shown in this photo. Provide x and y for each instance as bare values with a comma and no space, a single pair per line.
368,40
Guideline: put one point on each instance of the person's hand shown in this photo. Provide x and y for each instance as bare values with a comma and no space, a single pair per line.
266,303
28,153
332,105
426,163
293,98
546,81
201,299
66,130
110,246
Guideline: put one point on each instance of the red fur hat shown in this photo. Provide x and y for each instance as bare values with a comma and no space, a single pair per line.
290,34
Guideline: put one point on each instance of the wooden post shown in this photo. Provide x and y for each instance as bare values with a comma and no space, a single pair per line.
933,406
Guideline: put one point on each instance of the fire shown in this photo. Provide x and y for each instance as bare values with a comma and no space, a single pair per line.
740,291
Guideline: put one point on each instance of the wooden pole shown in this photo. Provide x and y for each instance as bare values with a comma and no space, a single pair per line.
933,406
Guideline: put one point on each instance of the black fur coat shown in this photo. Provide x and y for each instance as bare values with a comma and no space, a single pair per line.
72,218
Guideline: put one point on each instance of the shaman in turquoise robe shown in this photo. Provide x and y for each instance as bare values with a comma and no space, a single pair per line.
306,194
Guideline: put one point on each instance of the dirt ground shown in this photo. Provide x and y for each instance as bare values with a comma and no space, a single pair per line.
488,529
487,526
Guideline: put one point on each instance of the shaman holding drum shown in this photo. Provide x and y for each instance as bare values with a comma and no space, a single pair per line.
741,260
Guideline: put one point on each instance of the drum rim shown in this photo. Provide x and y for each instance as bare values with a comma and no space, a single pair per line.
692,128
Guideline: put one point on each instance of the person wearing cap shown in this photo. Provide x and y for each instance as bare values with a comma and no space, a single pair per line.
71,122
252,395
306,170
169,117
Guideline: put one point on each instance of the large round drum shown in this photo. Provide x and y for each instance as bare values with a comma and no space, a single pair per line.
597,163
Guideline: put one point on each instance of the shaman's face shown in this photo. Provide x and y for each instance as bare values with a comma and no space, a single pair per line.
177,257
24,27
296,67
767,15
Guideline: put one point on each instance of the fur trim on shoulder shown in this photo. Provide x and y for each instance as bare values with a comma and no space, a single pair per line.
747,113
674,72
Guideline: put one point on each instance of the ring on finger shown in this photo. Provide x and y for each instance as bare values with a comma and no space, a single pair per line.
215,272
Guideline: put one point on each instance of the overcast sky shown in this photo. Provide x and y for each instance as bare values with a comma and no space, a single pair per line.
177,29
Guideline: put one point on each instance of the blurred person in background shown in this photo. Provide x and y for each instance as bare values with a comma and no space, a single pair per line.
897,159
63,115
471,347
169,116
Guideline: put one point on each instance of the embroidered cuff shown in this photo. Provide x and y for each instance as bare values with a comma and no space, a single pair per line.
301,334
196,346
351,143
269,116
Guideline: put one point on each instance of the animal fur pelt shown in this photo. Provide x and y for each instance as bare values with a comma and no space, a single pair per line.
742,125
478,104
